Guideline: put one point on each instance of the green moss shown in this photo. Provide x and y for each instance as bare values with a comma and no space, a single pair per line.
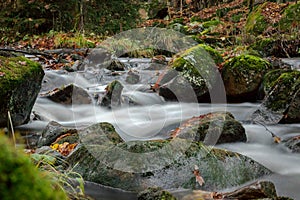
155,194
211,23
290,18
19,179
271,77
256,22
283,90
216,56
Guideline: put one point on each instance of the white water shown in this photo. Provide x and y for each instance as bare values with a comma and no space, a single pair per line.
153,118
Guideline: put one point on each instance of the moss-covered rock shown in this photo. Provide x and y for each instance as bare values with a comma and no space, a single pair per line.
270,78
212,128
282,103
192,71
20,82
20,179
138,165
293,144
242,77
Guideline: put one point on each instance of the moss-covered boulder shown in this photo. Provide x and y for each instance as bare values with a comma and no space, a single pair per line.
20,82
138,165
242,77
192,72
212,128
20,179
282,103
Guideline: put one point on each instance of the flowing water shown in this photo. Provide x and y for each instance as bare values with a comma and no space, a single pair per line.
151,118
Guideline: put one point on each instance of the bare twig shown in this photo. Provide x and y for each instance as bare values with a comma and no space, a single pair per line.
275,137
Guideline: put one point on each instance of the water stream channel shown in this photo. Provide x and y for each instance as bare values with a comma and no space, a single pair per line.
152,117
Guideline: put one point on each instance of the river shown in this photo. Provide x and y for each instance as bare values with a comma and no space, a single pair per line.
152,118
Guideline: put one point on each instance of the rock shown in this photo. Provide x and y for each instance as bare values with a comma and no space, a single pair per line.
242,77
191,72
70,94
20,83
52,131
293,144
155,193
271,77
282,104
138,165
212,128
112,97
20,179
160,59
98,58
256,190
116,65
132,78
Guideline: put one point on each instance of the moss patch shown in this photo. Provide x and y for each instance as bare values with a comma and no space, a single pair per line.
256,23
19,179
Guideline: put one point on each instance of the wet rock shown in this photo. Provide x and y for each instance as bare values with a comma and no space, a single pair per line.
20,83
256,190
191,72
212,128
243,76
132,78
138,165
52,131
98,58
70,94
116,65
282,103
293,144
160,59
112,97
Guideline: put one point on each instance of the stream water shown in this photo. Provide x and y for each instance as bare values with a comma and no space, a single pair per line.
152,118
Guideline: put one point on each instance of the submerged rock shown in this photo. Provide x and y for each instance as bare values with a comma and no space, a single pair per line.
20,83
70,94
212,128
132,78
242,77
191,72
137,165
282,103
293,144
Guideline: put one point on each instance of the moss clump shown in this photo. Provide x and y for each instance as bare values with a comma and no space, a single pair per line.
211,23
290,18
215,55
243,75
19,179
265,46
271,77
256,23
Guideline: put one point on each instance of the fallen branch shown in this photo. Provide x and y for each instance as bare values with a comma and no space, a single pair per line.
29,52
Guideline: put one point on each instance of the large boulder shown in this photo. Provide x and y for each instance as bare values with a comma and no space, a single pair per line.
282,103
242,77
20,83
212,128
137,165
190,75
